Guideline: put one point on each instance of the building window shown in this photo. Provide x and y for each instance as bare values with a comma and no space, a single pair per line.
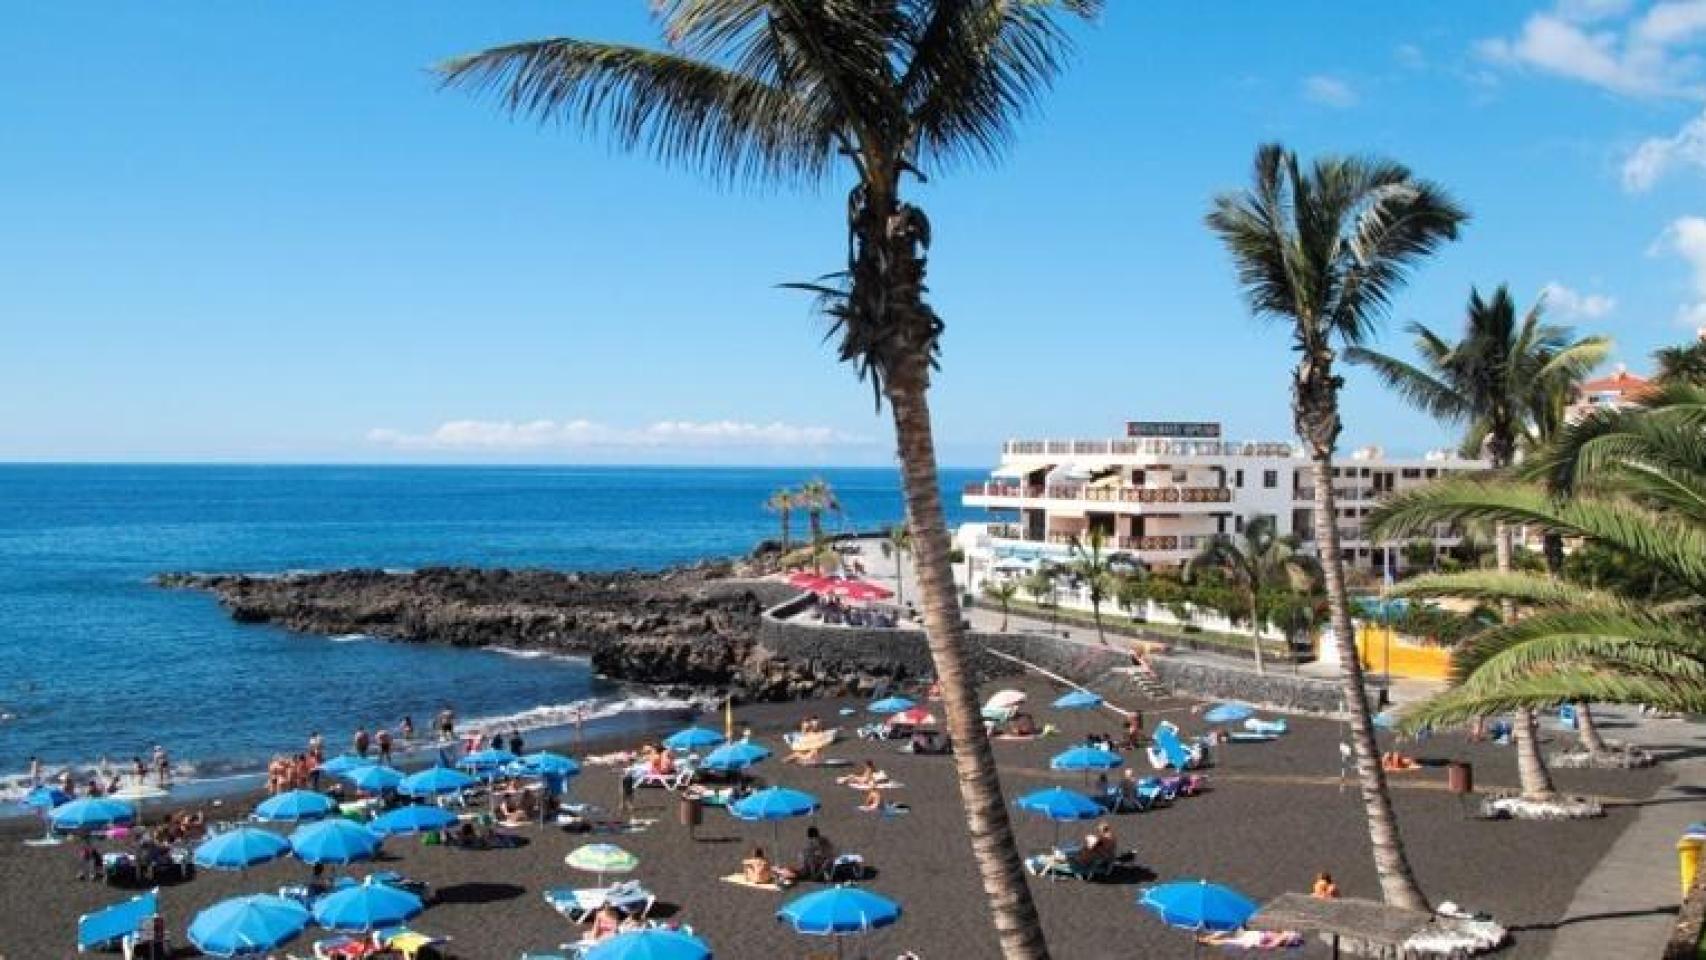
1412,473
1432,474
1180,476
1238,523
1270,479
1238,479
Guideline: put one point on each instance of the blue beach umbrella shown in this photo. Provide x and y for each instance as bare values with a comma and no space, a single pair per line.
1086,759
434,781
374,779
45,797
891,705
839,910
366,906
334,841
1060,805
650,945
488,759
343,763
415,818
775,803
544,763
1228,713
1078,700
240,848
91,813
247,925
1198,905
735,757
295,806
693,738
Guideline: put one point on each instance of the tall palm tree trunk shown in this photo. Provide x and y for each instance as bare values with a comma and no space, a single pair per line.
1533,778
787,539
1587,728
993,845
1397,880
1256,632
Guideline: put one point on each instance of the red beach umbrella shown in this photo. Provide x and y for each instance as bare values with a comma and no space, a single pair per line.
916,717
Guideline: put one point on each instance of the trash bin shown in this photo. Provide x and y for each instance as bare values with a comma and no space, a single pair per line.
1688,860
1460,777
692,813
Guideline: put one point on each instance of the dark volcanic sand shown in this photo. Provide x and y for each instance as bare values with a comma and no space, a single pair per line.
1274,816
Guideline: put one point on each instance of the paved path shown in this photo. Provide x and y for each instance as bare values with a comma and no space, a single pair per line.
1627,905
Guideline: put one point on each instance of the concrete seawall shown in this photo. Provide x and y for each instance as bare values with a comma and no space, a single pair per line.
902,653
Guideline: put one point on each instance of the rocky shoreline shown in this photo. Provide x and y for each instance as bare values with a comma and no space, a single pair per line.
690,629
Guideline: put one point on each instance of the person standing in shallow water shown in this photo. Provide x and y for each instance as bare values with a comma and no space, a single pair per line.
360,742
382,739
515,741
406,729
317,747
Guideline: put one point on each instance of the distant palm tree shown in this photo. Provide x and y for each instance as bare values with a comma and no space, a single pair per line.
1002,592
1508,382
1040,585
817,497
1090,564
1682,364
1259,559
898,544
784,91
1325,251
782,503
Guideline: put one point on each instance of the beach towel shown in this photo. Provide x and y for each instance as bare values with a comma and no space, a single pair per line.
740,880
807,742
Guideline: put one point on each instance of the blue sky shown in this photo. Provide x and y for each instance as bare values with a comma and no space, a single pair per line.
258,232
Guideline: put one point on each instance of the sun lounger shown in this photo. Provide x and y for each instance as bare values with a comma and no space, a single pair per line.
344,948
109,927
1059,865
407,942
1255,725
576,904
1248,736
846,868
1178,756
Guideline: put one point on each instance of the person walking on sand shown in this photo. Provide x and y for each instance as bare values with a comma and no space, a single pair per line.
360,742
382,739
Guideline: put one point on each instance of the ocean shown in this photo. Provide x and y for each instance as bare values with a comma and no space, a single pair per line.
95,662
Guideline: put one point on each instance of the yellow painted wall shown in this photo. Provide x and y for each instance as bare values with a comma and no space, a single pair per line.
1408,660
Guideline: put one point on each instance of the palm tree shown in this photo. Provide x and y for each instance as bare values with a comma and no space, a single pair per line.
1326,251
1258,559
898,544
782,503
1682,364
1002,592
1090,564
1581,643
1040,585
1508,382
787,91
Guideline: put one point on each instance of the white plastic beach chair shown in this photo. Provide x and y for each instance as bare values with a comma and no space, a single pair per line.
577,904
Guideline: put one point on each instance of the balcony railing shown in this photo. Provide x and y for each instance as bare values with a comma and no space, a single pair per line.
1168,494
1340,493
1145,447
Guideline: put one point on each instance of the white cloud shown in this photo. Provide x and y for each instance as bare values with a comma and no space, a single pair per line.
1646,55
1329,91
1649,162
1575,305
1410,56
1686,238
539,435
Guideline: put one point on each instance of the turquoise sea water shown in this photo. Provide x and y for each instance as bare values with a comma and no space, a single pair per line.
95,662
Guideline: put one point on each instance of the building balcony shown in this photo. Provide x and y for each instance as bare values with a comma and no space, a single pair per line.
1146,447
1091,494
1307,494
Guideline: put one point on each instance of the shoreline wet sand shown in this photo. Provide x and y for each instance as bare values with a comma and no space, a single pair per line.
1274,814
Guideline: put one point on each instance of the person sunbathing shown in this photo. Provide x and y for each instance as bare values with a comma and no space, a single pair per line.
605,923
663,763
1396,762
815,859
1324,888
510,812
758,868
868,777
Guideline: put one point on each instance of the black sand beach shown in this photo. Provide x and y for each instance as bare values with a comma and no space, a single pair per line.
1274,815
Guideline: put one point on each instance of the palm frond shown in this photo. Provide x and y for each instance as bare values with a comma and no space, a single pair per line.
1491,586
1552,639
1457,706
1416,386
682,110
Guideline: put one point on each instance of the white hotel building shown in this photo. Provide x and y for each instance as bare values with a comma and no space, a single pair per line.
1165,490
